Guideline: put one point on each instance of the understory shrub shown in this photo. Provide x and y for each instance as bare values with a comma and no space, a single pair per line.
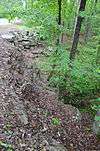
81,81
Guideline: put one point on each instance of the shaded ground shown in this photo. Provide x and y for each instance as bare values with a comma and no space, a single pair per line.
31,118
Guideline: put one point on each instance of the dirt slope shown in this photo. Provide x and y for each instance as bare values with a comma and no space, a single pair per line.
31,118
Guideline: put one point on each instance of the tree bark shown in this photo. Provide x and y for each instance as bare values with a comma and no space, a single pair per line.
88,28
78,24
98,54
59,18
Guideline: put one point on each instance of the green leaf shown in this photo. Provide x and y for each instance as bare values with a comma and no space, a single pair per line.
55,121
97,118
7,146
98,99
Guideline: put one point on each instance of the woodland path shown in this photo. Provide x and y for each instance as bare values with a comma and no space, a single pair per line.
26,118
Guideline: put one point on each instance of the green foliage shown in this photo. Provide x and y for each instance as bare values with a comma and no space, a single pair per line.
95,105
97,118
44,14
6,146
82,80
9,8
55,121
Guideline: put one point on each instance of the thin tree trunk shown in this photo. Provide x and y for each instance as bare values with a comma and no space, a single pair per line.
59,19
59,16
63,34
58,37
77,30
98,54
88,28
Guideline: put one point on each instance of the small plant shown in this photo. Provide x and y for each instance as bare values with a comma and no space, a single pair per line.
55,121
97,118
96,104
6,146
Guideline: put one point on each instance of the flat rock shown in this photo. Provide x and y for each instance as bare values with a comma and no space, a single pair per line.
8,36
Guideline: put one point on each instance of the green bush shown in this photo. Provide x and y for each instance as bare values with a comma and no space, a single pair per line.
82,80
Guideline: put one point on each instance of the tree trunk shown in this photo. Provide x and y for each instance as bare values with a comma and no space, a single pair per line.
59,16
98,54
77,30
88,28
59,19
62,36
58,36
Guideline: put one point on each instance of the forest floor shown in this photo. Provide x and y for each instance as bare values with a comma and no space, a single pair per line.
31,118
